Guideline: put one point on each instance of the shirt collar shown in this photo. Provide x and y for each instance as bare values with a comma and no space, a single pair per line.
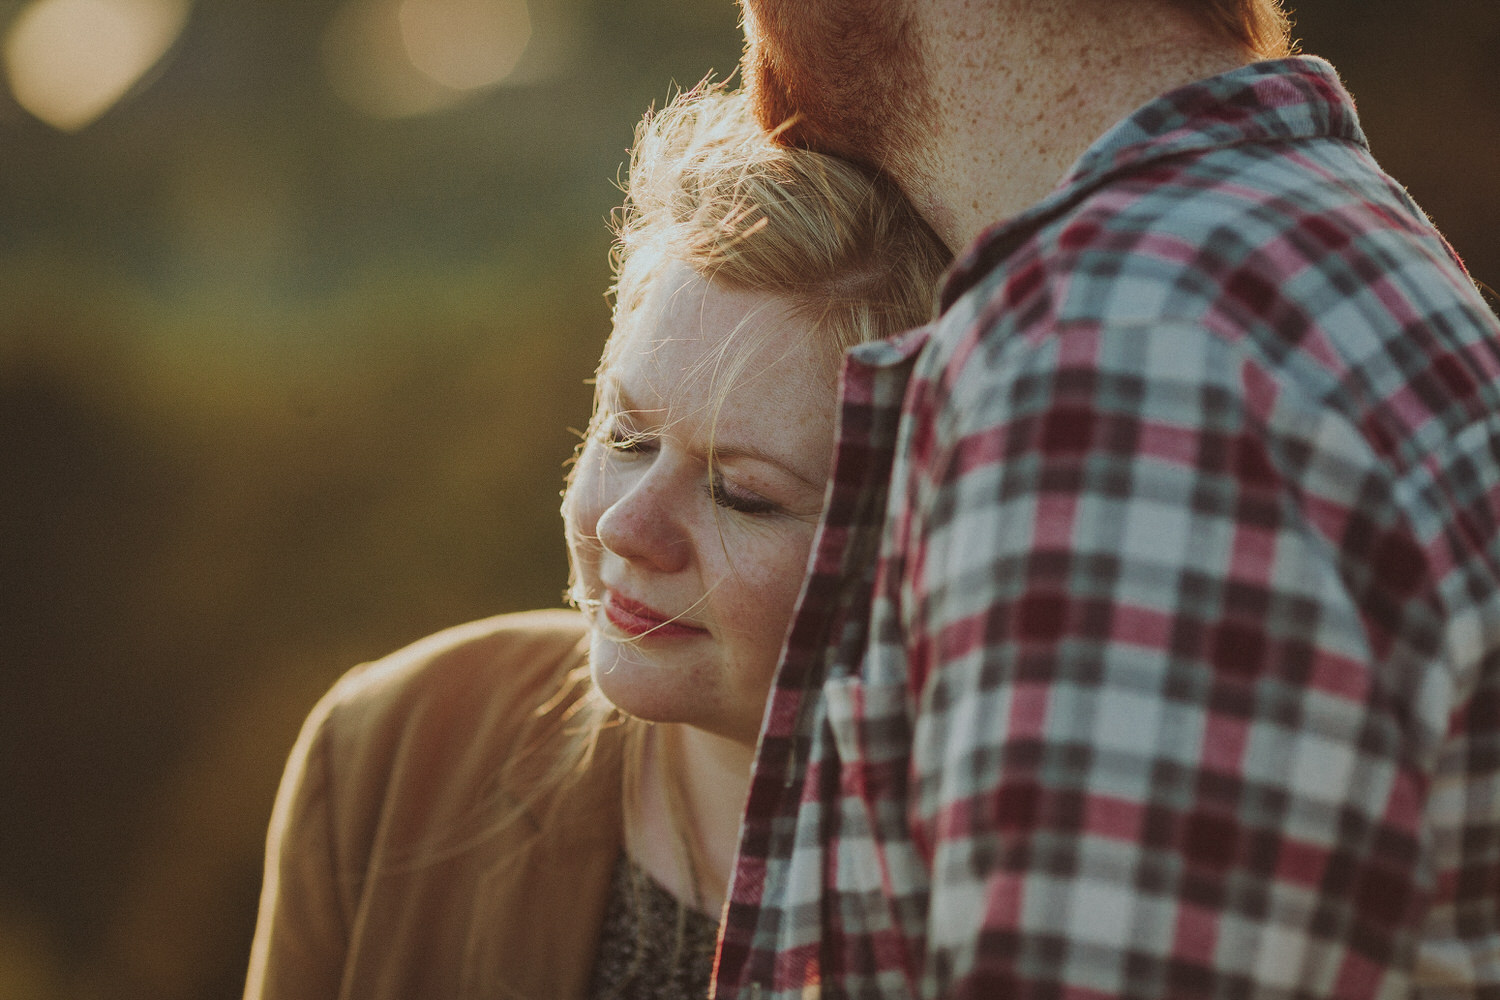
1274,101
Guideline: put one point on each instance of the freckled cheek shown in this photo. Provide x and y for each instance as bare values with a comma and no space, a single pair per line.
769,585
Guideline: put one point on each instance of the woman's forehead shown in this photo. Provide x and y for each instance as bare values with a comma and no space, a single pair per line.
739,368
689,329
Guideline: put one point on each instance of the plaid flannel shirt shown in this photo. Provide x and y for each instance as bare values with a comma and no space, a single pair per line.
1151,645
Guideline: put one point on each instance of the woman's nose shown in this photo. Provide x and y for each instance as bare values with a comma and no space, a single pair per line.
643,524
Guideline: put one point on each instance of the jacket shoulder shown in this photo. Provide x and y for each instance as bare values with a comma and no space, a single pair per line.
494,665
416,742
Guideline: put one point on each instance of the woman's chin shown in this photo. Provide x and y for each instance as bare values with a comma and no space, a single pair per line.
632,679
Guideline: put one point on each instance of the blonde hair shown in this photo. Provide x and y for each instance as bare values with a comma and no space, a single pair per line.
706,188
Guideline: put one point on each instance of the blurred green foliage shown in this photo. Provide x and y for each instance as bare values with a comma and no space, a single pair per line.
283,387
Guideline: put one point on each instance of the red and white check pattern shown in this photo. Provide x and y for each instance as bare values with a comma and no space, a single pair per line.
1151,646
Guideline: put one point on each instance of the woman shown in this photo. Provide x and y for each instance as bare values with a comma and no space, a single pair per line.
546,805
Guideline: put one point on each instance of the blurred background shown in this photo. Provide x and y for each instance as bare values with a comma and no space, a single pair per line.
297,303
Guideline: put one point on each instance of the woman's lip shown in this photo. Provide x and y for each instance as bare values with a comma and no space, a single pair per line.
637,619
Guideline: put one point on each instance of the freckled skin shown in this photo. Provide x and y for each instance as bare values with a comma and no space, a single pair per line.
977,108
643,523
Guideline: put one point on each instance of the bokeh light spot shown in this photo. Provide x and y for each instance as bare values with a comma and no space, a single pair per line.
398,58
70,61
465,44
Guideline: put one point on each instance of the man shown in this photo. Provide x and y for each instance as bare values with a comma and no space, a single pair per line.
1151,646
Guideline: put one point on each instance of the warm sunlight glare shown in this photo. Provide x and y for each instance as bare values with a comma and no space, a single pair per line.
69,61
396,58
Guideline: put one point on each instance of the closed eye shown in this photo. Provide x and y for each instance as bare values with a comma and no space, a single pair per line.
630,442
617,435
740,500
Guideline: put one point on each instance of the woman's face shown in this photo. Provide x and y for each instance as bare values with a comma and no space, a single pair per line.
689,566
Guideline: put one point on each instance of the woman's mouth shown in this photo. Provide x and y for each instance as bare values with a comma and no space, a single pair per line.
637,619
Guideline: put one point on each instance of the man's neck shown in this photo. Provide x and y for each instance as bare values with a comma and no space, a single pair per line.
1015,100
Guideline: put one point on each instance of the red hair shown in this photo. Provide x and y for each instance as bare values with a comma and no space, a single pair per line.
1262,26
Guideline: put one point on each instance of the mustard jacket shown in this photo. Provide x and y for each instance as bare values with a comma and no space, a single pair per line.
386,875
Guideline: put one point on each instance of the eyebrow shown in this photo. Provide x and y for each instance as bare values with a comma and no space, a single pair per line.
618,398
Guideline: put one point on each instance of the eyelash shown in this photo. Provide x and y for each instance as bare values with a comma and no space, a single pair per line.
719,491
617,439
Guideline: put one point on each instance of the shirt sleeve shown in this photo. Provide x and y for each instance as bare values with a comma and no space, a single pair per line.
1173,646
301,941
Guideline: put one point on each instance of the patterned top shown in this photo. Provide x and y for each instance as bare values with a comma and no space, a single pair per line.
644,952
1168,664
